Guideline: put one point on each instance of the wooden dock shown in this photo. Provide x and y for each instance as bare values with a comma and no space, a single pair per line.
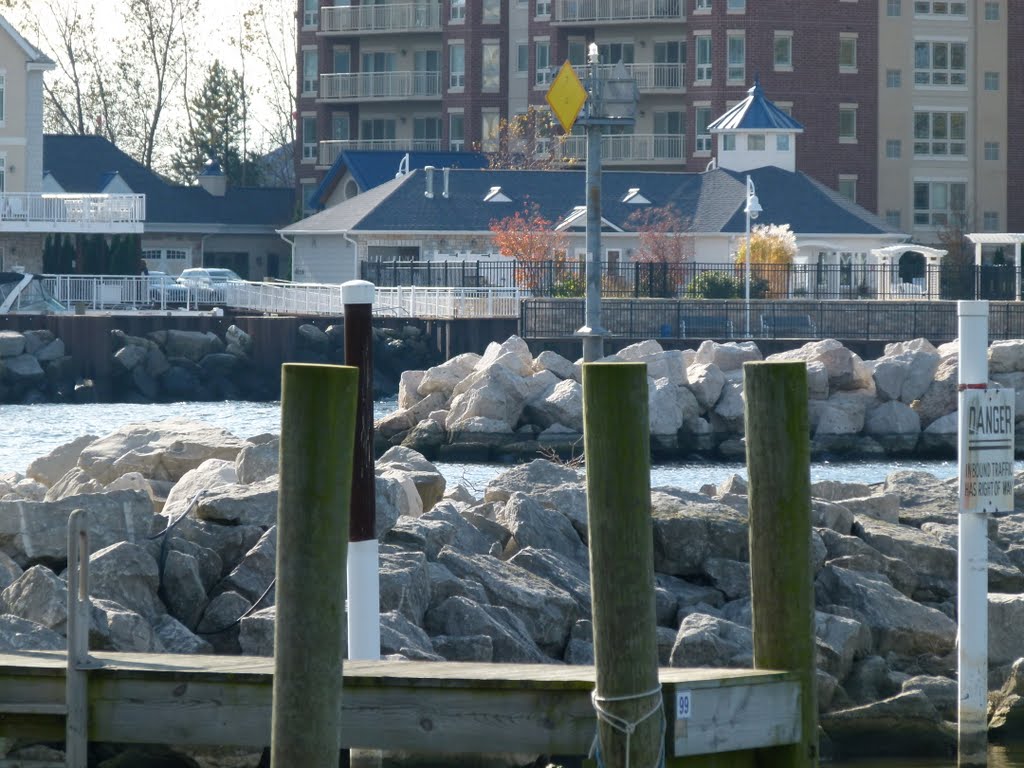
429,707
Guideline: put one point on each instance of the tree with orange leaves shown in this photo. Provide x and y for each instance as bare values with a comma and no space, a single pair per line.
531,239
663,245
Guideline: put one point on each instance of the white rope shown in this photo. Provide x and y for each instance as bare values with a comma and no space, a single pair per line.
626,726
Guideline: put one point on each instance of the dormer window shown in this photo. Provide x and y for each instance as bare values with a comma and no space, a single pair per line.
495,195
633,197
728,142
755,142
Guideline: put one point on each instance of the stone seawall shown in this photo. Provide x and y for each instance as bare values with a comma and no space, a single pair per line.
142,362
508,404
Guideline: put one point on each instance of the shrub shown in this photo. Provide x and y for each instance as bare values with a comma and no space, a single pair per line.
715,285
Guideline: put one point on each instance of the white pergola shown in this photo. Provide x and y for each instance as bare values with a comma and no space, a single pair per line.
891,254
981,239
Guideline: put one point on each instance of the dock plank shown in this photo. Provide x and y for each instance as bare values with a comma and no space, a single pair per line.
417,706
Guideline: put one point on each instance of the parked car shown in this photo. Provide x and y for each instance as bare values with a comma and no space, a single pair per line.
164,290
208,285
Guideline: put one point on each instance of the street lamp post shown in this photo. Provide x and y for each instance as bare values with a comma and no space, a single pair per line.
752,209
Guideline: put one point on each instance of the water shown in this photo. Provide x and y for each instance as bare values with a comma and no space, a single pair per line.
30,431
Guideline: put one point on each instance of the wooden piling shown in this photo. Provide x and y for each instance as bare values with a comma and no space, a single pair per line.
781,577
617,445
318,414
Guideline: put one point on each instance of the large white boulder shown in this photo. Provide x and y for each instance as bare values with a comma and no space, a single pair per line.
495,393
444,377
729,356
705,381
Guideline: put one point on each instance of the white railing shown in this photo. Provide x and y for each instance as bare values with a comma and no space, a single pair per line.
448,302
33,209
141,293
394,17
648,77
329,150
342,86
618,10
630,148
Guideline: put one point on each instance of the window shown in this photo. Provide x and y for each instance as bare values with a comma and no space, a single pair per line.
490,120
458,12
991,150
542,55
893,149
991,81
940,63
492,11
703,57
893,78
782,51
847,52
736,6
543,8
310,11
307,189
847,187
379,130
342,59
755,142
669,61
940,134
991,11
668,135
893,8
577,52
456,65
427,73
490,66
426,133
934,201
728,142
310,72
308,139
3,102
847,123
341,129
939,8
456,132
701,118
894,217
782,142
736,45
613,53
702,6
990,221
522,58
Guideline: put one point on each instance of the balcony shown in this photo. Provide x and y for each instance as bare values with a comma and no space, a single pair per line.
617,11
112,214
380,86
630,149
389,19
650,78
329,150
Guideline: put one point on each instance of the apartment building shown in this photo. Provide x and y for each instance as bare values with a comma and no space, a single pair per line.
905,103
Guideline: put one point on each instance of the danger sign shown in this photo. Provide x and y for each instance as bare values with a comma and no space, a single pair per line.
986,450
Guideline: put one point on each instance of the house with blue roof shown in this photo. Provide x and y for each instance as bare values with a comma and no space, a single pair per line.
355,171
446,213
209,224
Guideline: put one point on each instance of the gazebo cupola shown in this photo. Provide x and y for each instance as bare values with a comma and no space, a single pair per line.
756,133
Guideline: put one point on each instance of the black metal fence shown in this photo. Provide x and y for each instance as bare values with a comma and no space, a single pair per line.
694,280
723,320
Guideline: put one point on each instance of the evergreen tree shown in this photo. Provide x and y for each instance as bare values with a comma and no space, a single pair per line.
216,120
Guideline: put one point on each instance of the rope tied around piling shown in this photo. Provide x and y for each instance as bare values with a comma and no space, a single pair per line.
628,727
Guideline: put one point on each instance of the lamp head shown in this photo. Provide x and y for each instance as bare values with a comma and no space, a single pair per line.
592,54
753,208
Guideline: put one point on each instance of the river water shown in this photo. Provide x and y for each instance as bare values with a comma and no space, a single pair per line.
29,431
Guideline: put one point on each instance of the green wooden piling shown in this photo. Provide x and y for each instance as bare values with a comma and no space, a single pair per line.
781,577
318,416
617,445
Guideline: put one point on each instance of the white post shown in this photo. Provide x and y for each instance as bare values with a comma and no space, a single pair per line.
1016,269
972,557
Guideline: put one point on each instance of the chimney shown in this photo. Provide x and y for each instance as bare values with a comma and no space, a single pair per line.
429,171
213,180
445,193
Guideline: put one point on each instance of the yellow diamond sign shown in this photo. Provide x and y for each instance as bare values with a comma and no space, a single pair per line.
566,96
